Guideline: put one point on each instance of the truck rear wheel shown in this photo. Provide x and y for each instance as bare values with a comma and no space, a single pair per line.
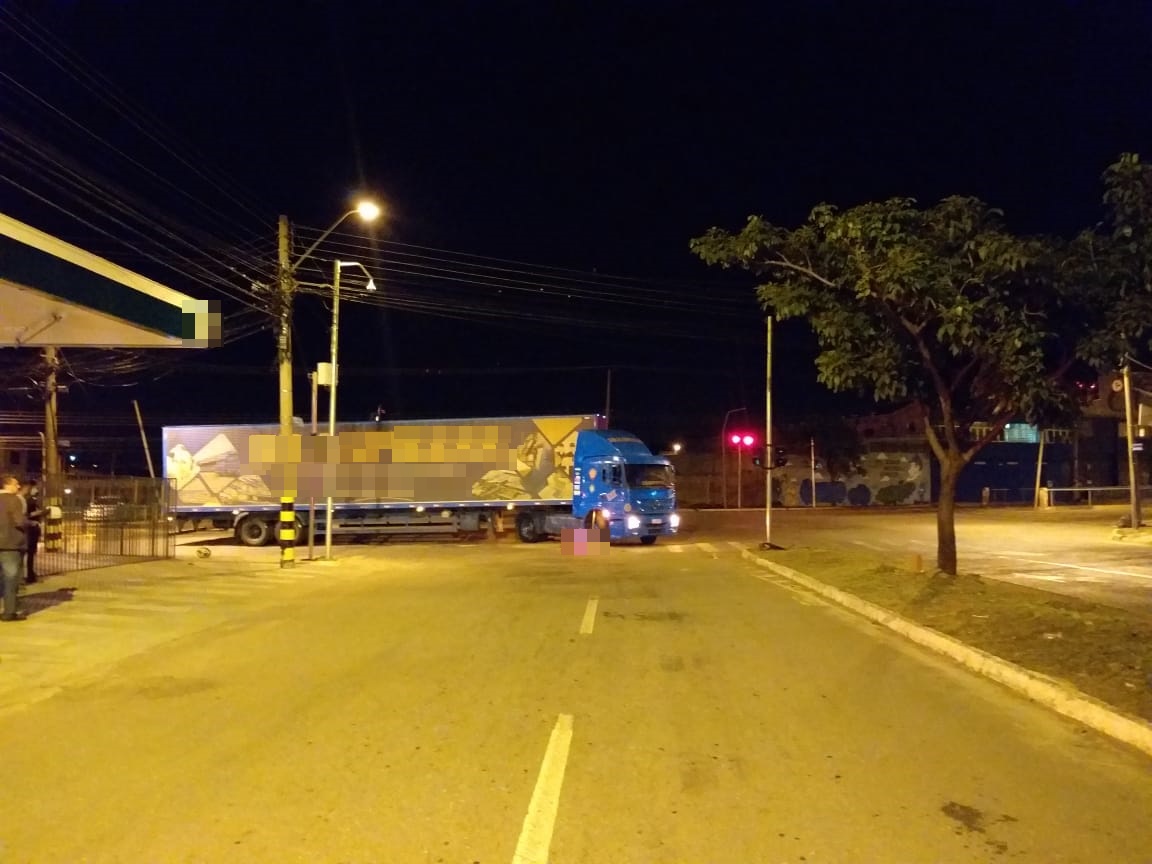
527,529
253,531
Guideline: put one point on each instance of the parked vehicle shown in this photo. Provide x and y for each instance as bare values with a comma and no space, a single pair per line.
538,474
112,508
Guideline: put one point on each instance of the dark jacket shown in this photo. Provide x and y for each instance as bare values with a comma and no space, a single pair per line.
13,523
34,515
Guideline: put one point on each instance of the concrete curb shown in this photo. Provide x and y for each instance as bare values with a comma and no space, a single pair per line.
1060,697
1136,536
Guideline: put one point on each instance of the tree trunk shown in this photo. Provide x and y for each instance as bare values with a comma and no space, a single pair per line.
946,516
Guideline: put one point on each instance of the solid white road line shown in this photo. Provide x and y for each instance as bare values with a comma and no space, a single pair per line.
871,546
536,835
589,616
1044,577
1082,567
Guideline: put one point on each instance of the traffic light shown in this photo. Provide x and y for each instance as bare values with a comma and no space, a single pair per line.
1086,392
779,461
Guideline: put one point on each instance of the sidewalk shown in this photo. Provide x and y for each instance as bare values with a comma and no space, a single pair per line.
81,623
1089,662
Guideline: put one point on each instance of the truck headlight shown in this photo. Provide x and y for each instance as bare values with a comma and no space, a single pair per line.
674,520
633,523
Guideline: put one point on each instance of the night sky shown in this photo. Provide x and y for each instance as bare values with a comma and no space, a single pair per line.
543,167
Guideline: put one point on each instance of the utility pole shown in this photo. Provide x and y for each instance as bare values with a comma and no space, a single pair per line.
740,476
51,467
1037,502
1130,440
608,399
812,463
287,287
143,440
770,448
313,379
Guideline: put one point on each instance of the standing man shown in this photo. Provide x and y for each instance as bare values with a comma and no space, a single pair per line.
13,543
35,514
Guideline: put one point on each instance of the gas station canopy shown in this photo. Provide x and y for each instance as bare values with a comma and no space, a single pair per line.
55,294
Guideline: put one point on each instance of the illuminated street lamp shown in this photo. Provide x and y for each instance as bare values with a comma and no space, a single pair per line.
369,211
286,277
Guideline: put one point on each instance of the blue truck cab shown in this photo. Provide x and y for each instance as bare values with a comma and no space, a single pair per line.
619,485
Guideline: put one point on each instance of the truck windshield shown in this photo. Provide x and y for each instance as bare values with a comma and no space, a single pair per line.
650,475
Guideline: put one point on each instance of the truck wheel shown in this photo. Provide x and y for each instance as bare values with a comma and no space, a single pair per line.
595,519
526,528
648,541
253,531
595,522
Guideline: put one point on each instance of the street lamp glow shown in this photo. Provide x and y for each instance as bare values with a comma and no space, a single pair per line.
369,210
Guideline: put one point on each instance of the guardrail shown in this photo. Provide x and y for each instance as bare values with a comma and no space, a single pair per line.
1063,496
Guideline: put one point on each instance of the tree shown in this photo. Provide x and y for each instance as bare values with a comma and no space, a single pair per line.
941,305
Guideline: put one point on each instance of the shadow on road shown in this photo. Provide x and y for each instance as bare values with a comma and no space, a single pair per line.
38,602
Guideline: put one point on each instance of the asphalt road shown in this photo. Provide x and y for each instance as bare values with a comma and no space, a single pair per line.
1065,550
506,703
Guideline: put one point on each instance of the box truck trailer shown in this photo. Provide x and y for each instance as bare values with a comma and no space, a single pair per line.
539,475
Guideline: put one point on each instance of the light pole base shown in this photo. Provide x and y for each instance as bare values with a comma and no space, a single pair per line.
768,546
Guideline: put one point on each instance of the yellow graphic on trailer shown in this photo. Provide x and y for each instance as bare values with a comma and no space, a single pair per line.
543,466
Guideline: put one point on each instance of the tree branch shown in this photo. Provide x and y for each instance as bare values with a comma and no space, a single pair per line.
943,392
963,373
807,271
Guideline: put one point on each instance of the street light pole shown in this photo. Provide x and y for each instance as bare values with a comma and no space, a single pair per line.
332,401
724,454
335,360
286,278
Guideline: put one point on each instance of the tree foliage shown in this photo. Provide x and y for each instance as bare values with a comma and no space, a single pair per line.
944,306
940,305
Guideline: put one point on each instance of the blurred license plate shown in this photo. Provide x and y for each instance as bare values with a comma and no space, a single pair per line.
657,521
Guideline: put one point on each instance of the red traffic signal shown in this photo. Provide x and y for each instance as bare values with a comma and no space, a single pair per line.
742,439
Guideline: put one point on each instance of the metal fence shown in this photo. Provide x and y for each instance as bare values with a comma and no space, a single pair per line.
1090,495
104,521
